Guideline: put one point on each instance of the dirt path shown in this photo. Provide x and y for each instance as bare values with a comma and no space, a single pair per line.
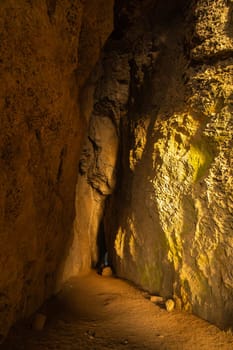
98,313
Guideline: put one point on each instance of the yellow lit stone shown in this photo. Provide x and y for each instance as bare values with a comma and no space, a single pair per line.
120,243
200,159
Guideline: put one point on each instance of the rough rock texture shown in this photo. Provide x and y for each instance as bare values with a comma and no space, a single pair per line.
97,169
175,234
155,172
168,89
44,47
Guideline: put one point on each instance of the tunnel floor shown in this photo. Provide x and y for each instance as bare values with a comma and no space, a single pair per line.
97,313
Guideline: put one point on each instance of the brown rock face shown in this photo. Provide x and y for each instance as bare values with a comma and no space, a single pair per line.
44,47
96,181
142,136
173,232
166,86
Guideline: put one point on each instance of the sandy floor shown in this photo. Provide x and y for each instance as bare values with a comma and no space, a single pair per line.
98,313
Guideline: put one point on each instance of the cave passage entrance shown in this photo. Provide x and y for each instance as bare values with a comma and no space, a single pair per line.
102,248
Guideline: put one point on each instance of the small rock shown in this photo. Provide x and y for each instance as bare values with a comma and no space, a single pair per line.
170,305
107,271
90,334
39,322
156,299
125,342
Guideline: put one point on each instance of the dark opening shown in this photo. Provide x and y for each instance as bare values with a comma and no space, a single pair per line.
102,248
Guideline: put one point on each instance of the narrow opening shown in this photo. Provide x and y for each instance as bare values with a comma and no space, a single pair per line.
102,248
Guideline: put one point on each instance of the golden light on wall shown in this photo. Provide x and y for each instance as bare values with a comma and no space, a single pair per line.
120,242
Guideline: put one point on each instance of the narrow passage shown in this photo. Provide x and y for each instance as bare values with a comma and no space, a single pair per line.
97,313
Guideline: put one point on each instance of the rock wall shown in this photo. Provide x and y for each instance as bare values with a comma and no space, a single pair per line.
47,52
97,166
169,221
174,234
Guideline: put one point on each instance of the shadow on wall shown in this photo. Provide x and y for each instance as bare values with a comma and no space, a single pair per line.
163,221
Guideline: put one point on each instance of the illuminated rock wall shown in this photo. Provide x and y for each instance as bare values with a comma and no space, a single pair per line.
170,218
98,162
96,180
47,52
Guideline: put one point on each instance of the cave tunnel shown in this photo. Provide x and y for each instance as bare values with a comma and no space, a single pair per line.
116,204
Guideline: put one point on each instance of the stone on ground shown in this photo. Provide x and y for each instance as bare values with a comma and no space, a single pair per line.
170,305
107,271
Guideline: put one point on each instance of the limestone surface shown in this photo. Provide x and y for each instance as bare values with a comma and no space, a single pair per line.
169,220
43,51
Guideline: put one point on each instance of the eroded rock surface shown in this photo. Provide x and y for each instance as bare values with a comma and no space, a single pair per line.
169,221
148,132
44,47
97,167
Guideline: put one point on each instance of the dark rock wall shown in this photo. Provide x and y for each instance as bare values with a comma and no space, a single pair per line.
47,52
